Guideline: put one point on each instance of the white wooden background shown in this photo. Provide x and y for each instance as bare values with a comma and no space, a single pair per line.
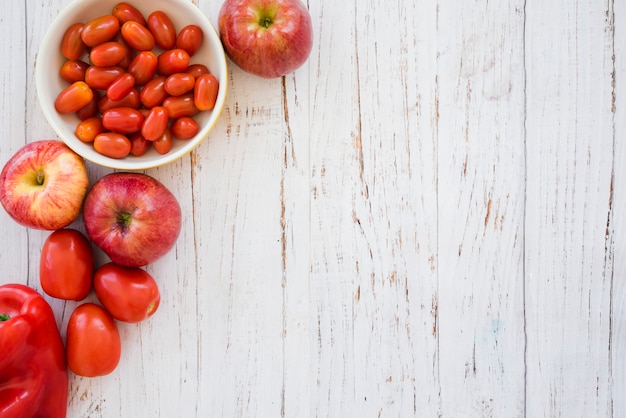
428,219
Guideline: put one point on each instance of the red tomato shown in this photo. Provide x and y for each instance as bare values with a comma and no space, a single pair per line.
121,86
88,129
123,120
196,70
162,29
93,342
155,123
130,294
137,36
205,92
179,106
112,144
190,38
91,109
143,67
73,98
153,93
107,54
72,45
184,128
100,30
179,83
172,61
100,78
138,144
130,100
66,265
73,70
125,12
164,144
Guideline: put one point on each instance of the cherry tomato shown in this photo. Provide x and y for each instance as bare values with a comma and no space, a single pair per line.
93,342
153,93
130,100
88,129
196,70
179,83
172,61
100,78
138,144
72,45
130,294
184,128
91,109
121,86
112,144
73,98
164,144
107,54
123,120
205,92
125,12
66,265
138,36
162,29
190,38
143,67
179,106
73,70
155,123
100,30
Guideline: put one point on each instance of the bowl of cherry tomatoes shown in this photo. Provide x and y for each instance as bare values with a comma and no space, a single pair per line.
131,85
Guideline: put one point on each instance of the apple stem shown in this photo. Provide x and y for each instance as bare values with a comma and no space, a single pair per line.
266,21
4,317
40,177
123,220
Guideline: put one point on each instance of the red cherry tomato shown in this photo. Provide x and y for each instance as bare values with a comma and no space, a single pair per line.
66,265
172,61
196,70
179,106
179,83
130,100
112,144
153,93
184,128
162,29
138,144
100,78
125,12
190,38
88,129
164,144
107,54
138,36
93,342
143,67
91,109
123,120
100,30
130,294
73,98
121,86
73,70
72,45
205,92
155,123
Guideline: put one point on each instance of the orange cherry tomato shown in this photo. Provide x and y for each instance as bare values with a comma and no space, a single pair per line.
93,342
196,70
153,93
130,294
66,265
155,123
179,83
91,109
205,92
125,12
88,129
162,29
130,100
172,61
73,98
100,30
143,67
121,86
100,78
123,120
184,128
112,144
73,70
164,144
107,54
138,144
72,45
179,106
190,39
138,36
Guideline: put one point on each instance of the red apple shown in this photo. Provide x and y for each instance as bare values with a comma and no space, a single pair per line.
269,38
42,186
132,217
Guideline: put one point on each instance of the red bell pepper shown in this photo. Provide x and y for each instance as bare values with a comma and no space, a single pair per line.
33,367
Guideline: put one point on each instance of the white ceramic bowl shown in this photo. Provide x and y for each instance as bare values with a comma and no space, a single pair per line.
49,83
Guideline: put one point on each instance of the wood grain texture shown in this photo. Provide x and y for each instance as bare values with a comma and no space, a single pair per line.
427,219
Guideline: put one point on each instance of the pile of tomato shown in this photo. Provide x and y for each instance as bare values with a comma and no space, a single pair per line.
128,294
131,81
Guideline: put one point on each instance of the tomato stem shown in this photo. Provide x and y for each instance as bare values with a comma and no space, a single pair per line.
4,317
